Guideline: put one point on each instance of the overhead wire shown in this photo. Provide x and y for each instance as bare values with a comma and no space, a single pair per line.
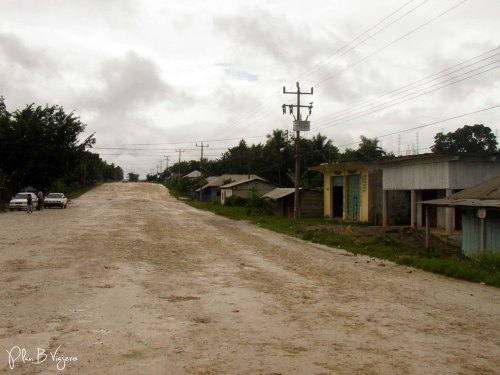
391,43
327,60
427,125
404,98
414,84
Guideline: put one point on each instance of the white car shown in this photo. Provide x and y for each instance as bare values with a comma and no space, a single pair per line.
55,200
20,201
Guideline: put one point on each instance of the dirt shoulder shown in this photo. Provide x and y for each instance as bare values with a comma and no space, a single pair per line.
128,280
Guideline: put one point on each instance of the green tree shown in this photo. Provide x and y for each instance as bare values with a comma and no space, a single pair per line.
133,177
40,145
476,138
368,150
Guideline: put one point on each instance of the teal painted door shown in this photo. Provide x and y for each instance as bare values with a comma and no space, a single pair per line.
353,197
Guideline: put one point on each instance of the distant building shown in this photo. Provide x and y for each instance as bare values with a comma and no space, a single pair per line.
311,201
243,188
192,175
211,191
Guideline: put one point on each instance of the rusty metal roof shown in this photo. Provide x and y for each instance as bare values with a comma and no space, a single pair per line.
486,190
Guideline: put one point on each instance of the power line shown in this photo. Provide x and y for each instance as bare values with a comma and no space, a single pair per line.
401,100
391,43
429,124
317,66
414,84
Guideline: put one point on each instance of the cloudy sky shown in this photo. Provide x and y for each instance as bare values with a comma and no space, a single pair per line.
150,77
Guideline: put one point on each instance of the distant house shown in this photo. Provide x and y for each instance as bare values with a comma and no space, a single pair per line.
311,201
480,211
243,188
211,191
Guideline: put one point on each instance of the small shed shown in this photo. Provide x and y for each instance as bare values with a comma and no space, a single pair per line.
480,210
352,191
243,188
311,201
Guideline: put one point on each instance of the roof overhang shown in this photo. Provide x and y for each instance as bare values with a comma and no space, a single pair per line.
464,203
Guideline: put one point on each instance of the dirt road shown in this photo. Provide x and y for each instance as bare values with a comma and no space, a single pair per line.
129,281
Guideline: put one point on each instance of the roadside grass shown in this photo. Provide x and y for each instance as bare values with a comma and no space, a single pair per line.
389,246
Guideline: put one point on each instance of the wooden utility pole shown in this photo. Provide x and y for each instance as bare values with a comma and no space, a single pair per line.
201,163
179,177
167,158
298,126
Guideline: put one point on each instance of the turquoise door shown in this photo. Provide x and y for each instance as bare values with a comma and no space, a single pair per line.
353,197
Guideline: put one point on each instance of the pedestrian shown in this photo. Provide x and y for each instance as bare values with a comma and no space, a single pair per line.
40,201
30,204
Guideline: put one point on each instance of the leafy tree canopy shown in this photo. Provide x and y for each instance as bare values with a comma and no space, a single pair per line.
41,146
476,138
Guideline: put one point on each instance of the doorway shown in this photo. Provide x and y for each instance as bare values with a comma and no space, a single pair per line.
338,196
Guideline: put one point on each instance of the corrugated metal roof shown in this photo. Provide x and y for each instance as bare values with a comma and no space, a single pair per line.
279,193
193,174
486,190
486,194
236,183
219,180
465,202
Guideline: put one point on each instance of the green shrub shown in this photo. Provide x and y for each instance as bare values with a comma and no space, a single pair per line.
235,201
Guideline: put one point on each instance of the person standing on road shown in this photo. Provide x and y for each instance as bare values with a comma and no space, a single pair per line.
40,201
30,204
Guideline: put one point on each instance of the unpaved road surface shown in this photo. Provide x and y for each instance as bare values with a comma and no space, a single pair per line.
127,280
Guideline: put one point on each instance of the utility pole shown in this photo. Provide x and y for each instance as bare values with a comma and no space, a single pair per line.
298,126
201,159
201,162
166,169
179,177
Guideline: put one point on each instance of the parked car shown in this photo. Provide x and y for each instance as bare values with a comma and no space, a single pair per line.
20,201
55,200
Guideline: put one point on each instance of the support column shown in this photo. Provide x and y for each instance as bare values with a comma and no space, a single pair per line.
449,215
427,227
413,208
385,205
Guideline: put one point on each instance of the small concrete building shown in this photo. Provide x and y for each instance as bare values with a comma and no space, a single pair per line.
244,188
479,207
311,202
352,191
